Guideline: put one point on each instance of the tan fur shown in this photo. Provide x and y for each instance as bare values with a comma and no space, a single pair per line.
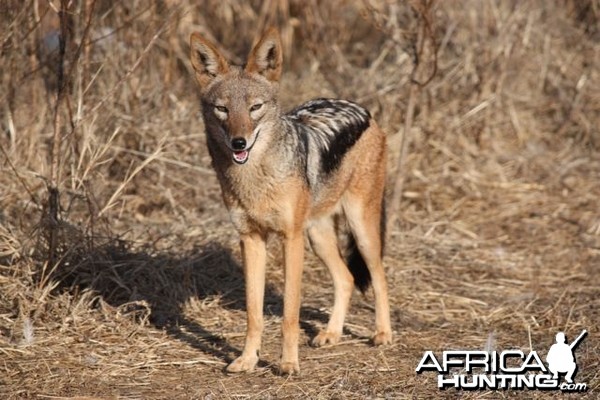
264,197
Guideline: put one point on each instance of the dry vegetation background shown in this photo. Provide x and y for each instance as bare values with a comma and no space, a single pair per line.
130,286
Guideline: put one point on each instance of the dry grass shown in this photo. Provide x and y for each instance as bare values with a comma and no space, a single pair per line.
498,239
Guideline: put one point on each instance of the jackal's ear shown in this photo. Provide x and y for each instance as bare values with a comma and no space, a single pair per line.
266,57
206,59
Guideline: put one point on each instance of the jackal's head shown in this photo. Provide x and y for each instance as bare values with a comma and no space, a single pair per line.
239,103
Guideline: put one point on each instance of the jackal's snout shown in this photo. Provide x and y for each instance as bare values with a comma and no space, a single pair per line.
238,143
241,136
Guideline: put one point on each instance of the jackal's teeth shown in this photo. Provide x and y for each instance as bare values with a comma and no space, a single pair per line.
240,157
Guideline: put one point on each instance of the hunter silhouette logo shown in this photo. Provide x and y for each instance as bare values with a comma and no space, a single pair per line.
560,356
509,369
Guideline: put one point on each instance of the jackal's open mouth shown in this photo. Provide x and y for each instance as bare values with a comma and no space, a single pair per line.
240,157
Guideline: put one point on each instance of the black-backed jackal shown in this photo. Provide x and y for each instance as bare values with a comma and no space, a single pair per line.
319,168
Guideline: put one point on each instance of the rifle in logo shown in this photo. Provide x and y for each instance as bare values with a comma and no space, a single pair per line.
560,356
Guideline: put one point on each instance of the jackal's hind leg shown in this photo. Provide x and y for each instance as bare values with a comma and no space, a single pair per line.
324,243
364,219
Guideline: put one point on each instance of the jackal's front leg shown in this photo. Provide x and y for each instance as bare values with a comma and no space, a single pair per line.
294,260
254,254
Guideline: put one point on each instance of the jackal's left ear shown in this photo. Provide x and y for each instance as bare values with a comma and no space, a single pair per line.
266,57
207,61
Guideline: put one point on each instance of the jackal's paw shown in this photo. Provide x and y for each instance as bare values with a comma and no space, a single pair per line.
289,368
242,364
382,338
325,337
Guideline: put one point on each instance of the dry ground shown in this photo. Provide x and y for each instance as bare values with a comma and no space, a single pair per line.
498,240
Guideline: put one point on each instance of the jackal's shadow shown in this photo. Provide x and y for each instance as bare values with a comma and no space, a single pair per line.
165,281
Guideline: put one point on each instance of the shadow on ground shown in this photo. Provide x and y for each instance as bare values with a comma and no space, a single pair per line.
135,280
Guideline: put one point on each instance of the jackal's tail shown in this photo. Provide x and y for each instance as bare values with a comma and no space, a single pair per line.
354,259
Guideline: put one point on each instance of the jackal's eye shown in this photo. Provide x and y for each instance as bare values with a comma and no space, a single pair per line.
222,109
256,107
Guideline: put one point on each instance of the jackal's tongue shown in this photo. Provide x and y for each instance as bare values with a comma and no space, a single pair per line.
240,157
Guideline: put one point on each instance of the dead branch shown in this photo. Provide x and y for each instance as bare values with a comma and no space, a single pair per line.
425,34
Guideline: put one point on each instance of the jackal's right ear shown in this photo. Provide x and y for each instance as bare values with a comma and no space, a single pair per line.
206,60
266,58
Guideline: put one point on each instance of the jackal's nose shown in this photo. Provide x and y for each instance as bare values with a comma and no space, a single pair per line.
238,143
